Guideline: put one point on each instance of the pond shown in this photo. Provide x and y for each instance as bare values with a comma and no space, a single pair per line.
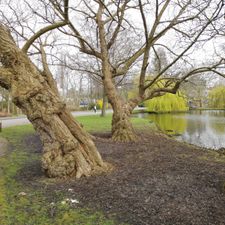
205,128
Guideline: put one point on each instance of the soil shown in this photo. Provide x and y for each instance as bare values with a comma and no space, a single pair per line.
155,181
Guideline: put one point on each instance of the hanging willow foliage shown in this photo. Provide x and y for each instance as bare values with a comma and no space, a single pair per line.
167,103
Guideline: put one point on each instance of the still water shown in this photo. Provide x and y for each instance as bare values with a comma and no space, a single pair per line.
203,128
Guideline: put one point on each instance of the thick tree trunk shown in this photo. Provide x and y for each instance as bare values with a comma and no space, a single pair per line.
67,149
122,128
104,103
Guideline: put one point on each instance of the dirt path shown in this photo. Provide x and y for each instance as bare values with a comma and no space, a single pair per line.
157,181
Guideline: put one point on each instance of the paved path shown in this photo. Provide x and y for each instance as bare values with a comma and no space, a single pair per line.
22,120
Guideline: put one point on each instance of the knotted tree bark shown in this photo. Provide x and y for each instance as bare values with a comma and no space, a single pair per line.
68,149
122,128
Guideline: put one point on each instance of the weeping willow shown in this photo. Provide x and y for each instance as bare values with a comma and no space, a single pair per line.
216,97
167,103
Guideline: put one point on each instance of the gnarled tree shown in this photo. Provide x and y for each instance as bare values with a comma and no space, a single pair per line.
176,26
68,149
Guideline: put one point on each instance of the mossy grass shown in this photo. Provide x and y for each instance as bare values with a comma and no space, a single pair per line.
24,204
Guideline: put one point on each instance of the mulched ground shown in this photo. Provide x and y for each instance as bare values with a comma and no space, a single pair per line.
156,181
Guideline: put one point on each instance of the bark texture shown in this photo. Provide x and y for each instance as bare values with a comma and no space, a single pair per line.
122,128
104,103
68,150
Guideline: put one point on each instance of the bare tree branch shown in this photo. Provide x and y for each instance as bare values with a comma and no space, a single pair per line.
219,8
46,71
41,32
119,24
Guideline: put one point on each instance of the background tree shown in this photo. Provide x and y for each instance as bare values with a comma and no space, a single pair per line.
196,91
7,108
216,97
159,61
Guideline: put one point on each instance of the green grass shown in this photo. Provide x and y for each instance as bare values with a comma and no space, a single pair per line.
103,124
95,123
34,208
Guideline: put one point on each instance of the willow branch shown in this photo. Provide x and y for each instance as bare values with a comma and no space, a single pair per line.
66,9
146,52
46,71
179,57
41,32
151,38
129,62
119,24
176,84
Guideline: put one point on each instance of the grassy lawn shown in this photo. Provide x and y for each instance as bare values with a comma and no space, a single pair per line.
103,124
22,205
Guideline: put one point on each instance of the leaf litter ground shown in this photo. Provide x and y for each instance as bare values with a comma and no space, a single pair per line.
155,181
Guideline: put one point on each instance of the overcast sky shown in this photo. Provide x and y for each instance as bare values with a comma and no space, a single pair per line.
202,53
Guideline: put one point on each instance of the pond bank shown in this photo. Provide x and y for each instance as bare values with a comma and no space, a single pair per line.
205,128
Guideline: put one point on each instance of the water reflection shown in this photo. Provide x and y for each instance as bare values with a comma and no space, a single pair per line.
169,123
203,128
